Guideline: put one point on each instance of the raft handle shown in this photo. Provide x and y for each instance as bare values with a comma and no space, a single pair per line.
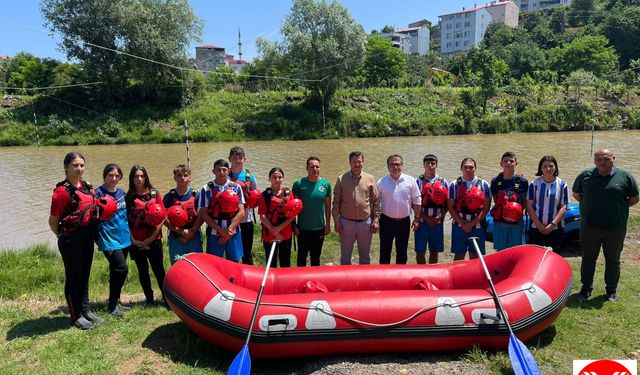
490,317
276,322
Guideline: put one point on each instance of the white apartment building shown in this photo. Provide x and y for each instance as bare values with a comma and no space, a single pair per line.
418,39
398,40
461,30
532,5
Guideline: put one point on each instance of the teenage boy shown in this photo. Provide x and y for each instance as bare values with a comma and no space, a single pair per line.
247,181
187,238
223,232
508,186
434,209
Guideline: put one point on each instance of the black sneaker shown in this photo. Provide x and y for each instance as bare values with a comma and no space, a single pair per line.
612,297
95,319
123,307
116,312
83,324
584,294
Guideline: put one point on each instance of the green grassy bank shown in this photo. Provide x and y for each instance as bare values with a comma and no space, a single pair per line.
376,112
36,338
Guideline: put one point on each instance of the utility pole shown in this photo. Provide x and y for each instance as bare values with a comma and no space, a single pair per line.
239,46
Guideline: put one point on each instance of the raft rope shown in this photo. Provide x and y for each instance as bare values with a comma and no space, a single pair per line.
321,308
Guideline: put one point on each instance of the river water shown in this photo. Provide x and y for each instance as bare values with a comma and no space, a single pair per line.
30,173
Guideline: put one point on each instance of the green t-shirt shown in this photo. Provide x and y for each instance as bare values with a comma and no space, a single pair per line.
313,195
605,199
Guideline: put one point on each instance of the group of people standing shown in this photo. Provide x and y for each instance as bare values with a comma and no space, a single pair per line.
392,206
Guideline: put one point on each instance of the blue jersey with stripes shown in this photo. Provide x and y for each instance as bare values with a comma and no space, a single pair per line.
242,177
204,198
114,234
453,194
548,198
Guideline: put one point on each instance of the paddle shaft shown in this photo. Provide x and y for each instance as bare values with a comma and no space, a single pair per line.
493,288
264,281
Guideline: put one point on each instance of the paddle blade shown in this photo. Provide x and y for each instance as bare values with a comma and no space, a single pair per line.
241,364
521,358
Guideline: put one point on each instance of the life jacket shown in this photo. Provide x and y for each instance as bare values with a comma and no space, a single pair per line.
459,203
501,197
275,207
136,209
189,206
249,194
427,188
214,208
81,210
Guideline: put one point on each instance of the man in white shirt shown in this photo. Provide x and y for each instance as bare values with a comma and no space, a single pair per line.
399,195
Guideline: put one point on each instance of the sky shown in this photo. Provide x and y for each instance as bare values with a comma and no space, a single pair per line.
22,27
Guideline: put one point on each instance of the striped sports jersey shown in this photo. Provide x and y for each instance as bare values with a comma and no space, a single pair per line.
548,198
114,233
204,198
431,211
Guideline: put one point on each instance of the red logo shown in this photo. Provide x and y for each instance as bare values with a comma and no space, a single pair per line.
605,367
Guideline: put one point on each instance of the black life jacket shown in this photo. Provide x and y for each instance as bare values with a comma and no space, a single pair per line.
81,209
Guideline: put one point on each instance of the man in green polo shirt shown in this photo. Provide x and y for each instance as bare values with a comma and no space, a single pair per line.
605,194
314,222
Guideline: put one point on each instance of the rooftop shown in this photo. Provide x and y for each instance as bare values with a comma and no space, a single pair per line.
209,46
477,7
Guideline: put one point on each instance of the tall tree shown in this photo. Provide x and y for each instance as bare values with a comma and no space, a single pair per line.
622,27
323,44
485,70
159,30
590,53
384,65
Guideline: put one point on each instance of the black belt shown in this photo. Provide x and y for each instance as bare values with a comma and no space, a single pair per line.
394,219
357,221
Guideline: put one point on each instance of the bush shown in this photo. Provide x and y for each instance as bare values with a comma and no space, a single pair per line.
110,128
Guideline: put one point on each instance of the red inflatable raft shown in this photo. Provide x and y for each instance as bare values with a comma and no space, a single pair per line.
377,308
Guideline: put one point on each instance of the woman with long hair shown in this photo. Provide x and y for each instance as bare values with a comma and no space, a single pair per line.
114,236
145,212
546,204
72,220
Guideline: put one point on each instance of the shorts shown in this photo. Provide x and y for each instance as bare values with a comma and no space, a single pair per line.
460,242
432,235
233,247
507,235
178,249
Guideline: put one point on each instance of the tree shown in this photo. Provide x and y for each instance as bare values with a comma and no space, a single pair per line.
487,71
524,58
384,64
622,27
323,44
160,30
388,29
590,53
418,67
579,79
28,71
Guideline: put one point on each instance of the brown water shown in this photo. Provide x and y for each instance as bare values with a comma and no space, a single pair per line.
31,173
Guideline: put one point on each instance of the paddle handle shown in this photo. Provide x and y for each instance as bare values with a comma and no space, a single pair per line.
493,288
264,281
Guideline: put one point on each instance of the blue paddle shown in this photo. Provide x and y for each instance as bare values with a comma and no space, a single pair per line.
241,364
522,360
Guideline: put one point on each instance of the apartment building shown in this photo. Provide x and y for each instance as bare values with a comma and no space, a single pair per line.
209,57
413,40
461,30
533,5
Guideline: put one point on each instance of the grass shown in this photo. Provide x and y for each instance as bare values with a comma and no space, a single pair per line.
152,340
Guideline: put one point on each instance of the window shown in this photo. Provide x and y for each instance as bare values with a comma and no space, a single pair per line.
457,44
448,35
458,24
457,35
466,43
449,45
448,26
467,24
466,33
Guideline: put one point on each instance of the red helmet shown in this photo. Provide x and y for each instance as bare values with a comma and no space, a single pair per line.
512,212
292,208
154,214
439,194
253,197
178,216
474,198
106,207
229,201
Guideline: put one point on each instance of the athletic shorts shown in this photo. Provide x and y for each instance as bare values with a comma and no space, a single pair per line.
507,235
178,249
432,235
460,242
233,247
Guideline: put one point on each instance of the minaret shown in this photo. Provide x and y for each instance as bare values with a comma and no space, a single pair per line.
239,46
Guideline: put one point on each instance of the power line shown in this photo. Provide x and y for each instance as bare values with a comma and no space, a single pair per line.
51,87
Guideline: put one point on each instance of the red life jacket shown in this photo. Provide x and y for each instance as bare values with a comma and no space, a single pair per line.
275,205
425,192
459,204
245,186
214,204
81,210
136,208
501,197
189,206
